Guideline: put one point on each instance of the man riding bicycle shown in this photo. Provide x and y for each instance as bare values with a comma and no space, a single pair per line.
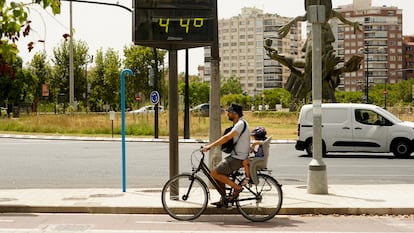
240,135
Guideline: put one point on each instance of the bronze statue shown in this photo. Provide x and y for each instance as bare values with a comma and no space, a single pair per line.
299,83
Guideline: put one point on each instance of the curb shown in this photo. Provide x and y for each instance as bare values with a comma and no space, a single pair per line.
75,138
208,211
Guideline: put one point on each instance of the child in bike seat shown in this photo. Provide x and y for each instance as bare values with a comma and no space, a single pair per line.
259,136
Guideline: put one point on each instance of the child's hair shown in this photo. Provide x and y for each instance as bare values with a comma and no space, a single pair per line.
259,133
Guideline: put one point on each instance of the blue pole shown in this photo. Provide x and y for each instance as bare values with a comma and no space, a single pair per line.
123,125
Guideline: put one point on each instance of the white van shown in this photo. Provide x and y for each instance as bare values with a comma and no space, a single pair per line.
356,128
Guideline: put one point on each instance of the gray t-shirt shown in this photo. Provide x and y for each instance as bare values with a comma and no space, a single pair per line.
242,148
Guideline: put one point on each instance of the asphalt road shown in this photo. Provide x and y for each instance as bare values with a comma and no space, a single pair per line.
33,163
111,223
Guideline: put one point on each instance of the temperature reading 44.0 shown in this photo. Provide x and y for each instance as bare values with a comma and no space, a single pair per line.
185,24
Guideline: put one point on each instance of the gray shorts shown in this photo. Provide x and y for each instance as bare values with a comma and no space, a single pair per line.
228,165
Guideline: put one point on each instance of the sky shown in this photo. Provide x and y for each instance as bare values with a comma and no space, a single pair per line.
103,27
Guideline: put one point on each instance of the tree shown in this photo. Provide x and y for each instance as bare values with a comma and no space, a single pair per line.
60,78
41,70
244,100
20,89
138,59
198,92
348,97
13,18
231,86
276,96
105,82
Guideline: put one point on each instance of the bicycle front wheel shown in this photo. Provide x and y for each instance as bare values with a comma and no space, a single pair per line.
260,202
184,197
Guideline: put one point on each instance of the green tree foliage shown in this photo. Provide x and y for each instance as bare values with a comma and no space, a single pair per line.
244,100
19,87
105,81
60,79
399,93
348,97
198,92
25,86
231,86
42,71
14,23
404,90
14,20
275,96
138,59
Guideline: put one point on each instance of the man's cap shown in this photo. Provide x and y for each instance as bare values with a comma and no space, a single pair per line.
236,108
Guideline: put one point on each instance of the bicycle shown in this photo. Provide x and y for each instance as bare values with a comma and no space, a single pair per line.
185,196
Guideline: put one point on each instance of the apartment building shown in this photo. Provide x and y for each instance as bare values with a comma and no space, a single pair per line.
379,42
241,40
408,57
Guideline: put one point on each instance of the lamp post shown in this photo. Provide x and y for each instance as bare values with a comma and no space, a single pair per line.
365,50
88,59
385,94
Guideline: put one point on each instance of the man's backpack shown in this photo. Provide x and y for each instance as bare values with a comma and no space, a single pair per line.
228,146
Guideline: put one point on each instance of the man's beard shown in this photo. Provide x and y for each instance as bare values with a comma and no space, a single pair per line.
231,118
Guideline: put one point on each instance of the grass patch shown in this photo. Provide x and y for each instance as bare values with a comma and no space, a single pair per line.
281,125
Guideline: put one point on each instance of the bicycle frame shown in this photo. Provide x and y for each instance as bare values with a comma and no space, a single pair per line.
202,166
206,171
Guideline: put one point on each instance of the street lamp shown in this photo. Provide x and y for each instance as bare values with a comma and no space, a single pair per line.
367,52
88,59
385,93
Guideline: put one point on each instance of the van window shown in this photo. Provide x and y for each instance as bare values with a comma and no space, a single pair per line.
368,117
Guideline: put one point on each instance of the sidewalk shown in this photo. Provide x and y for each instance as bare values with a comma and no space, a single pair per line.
342,199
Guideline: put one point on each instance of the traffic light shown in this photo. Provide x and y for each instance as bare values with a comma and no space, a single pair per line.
151,76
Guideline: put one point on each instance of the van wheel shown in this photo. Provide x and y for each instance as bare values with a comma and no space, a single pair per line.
401,149
309,148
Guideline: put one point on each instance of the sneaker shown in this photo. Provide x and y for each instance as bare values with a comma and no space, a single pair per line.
218,204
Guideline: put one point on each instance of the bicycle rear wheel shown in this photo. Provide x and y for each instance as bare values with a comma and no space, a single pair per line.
260,202
184,197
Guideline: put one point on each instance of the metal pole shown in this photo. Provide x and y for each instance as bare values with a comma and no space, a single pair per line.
367,75
123,126
71,72
186,100
317,177
173,111
156,89
215,109
385,94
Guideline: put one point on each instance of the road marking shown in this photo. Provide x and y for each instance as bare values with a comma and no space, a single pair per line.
6,220
37,230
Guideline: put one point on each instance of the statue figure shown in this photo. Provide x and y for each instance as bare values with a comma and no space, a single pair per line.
299,83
